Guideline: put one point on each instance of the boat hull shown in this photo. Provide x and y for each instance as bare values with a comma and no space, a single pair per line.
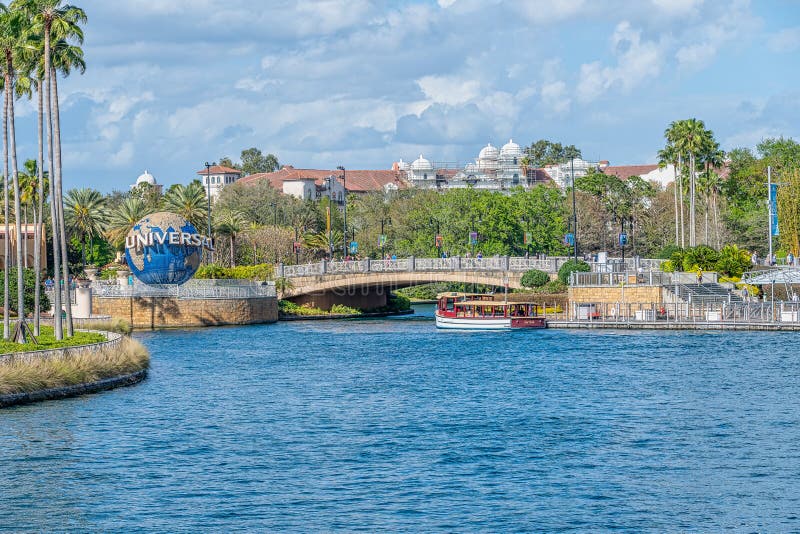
491,323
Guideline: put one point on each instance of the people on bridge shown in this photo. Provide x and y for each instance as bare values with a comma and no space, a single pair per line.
480,255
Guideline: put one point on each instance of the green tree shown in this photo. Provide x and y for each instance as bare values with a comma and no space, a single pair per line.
189,202
543,152
253,161
122,219
86,216
230,223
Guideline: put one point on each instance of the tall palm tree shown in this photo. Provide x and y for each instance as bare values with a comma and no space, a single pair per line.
122,219
85,215
672,135
52,18
691,136
230,222
669,156
187,201
12,25
35,178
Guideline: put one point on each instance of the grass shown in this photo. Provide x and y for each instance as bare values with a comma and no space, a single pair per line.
287,307
47,340
88,366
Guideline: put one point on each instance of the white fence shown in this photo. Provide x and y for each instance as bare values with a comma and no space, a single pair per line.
458,263
193,289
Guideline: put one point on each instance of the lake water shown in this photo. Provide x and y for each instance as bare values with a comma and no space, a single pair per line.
390,424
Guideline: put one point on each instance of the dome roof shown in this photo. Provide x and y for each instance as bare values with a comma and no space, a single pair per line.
511,149
421,164
489,152
146,178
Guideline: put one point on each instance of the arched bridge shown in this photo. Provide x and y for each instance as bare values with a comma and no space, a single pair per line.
366,283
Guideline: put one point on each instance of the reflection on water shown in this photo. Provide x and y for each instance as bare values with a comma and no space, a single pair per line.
391,424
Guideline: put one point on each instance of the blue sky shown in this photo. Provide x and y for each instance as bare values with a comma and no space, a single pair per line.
171,84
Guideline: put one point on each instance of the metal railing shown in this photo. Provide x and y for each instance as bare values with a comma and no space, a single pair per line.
550,265
729,313
650,278
193,289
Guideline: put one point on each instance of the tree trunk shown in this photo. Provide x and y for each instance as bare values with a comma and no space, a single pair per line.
21,329
233,250
6,241
37,240
680,193
675,191
60,199
57,324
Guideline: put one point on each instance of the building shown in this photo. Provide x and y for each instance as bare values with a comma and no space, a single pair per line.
28,232
493,169
318,183
147,178
662,176
216,177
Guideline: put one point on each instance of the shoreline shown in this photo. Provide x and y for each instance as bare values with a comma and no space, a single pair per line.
343,316
105,384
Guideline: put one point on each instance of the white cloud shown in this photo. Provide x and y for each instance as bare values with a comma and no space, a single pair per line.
695,56
123,157
555,99
786,40
451,90
678,8
637,62
549,12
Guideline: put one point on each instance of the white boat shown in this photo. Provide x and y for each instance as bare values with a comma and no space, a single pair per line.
464,311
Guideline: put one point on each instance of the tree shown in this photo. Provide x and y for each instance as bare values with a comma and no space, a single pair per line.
52,19
669,156
543,152
789,212
12,31
123,218
230,223
253,161
188,201
85,215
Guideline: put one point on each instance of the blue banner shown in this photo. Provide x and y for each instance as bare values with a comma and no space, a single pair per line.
353,247
623,239
773,201
569,239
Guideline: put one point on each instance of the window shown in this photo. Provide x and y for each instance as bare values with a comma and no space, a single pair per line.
515,160
425,176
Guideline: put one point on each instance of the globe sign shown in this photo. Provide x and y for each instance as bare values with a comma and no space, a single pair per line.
164,248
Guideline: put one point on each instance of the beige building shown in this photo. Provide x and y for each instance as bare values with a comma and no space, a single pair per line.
28,232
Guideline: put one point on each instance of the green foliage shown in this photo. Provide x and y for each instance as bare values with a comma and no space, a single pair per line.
732,261
534,278
544,152
424,291
667,266
571,266
108,274
553,286
341,309
398,302
263,271
702,257
47,340
29,279
253,161
667,251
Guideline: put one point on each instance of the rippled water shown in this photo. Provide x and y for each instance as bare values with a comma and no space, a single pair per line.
390,424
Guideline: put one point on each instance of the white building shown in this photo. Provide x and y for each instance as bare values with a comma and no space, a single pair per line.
216,177
562,173
494,168
147,178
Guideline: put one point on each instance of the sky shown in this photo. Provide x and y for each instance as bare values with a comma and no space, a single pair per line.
171,84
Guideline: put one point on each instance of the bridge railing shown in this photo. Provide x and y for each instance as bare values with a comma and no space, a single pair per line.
457,263
194,289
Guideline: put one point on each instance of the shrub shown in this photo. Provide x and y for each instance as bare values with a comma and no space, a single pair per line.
108,274
701,256
732,261
211,271
571,266
667,266
553,286
29,280
535,278
398,302
341,309
262,271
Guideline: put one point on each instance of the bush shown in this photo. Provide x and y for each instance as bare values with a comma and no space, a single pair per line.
108,274
553,286
668,266
398,302
732,261
667,252
29,280
341,309
262,271
535,278
702,257
572,266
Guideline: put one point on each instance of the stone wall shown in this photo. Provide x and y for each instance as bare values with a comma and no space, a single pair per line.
614,294
166,312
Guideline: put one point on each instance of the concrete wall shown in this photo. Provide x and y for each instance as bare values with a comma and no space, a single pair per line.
363,298
164,312
611,295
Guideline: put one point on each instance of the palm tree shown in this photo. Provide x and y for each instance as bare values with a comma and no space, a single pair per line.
321,242
691,135
187,201
669,156
34,178
53,19
85,214
672,135
230,222
122,219
12,24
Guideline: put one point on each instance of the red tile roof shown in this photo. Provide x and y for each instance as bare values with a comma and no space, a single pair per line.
623,172
358,181
219,169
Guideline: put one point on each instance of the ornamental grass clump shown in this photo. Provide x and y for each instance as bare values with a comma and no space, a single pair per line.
20,376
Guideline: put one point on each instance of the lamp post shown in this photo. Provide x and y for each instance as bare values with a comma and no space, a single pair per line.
208,207
344,198
382,238
574,212
296,246
330,214
436,241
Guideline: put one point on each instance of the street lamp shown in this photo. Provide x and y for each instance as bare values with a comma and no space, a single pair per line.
208,199
329,179
437,238
344,198
382,238
574,212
